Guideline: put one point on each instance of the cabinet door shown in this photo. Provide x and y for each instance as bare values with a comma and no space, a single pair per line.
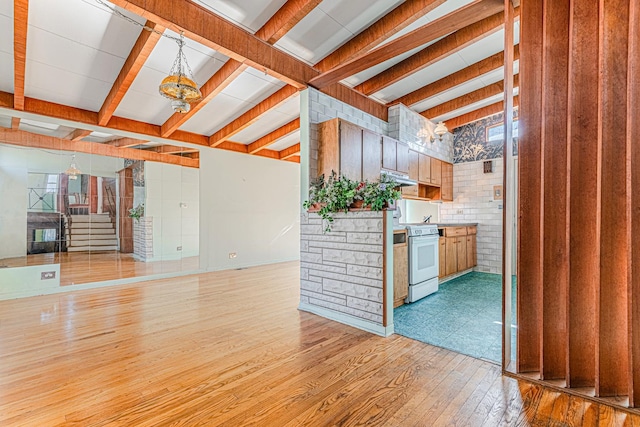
413,174
461,252
471,251
402,158
389,150
436,171
446,190
442,257
400,274
350,150
371,155
424,169
451,252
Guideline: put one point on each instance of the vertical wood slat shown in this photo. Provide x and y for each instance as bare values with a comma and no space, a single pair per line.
633,136
529,298
583,181
612,365
555,250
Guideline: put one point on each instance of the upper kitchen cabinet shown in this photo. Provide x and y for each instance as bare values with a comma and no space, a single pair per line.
395,155
412,190
348,150
446,189
436,171
424,169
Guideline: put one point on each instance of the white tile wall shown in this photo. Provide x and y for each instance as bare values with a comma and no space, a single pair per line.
473,202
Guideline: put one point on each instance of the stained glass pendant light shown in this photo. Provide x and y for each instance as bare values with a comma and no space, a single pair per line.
179,85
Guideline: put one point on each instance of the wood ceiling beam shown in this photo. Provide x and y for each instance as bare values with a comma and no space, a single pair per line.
15,123
443,48
216,84
270,138
293,159
20,26
207,28
252,115
192,155
289,152
468,99
126,142
78,134
391,23
268,153
292,12
478,114
171,149
487,65
460,18
32,140
233,146
141,50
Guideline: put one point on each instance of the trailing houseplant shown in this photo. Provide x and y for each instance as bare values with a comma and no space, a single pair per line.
137,212
340,193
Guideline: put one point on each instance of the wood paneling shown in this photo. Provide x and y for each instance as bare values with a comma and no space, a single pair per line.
487,65
125,230
394,21
78,134
20,26
555,261
633,136
389,153
141,50
400,271
584,268
447,24
529,292
350,150
285,19
433,53
289,152
611,368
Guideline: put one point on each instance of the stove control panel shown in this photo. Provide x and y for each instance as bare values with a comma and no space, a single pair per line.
422,231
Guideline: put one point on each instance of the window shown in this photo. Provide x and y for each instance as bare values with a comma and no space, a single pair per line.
496,132
52,183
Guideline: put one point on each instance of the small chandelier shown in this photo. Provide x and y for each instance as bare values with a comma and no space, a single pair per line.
73,170
440,131
179,86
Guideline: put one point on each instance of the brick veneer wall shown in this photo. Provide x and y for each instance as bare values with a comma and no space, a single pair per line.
143,238
342,270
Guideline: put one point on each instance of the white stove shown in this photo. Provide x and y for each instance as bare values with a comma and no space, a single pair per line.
423,260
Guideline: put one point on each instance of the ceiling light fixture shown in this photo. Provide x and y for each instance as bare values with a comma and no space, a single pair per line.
179,85
73,170
439,131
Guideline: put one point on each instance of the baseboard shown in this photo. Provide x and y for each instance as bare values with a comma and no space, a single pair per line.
347,319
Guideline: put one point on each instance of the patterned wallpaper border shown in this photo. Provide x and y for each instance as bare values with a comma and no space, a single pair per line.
470,141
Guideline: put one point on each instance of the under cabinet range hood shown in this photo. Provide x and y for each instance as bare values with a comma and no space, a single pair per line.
402,179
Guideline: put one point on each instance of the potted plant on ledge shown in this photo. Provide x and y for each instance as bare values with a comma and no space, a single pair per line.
340,194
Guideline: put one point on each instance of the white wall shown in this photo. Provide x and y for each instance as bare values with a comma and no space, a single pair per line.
415,210
172,194
473,202
15,165
249,205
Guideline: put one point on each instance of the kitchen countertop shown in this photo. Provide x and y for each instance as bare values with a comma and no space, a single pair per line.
455,224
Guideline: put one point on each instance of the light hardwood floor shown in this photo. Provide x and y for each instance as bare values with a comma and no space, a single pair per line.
230,348
88,267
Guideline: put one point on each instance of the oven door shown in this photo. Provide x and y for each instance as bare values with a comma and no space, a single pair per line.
423,258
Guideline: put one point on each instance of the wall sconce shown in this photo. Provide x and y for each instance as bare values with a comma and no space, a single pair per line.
439,131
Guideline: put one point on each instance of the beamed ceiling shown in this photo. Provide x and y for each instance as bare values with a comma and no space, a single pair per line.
82,78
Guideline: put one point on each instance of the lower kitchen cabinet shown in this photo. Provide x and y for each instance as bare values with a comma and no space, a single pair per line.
400,268
457,250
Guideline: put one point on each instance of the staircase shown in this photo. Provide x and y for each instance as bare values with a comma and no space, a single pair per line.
93,232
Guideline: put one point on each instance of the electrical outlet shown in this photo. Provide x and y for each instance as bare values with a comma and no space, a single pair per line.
459,211
179,248
232,255
45,275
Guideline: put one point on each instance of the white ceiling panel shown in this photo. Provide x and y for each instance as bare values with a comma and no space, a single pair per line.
483,48
249,14
315,36
286,141
219,111
440,69
426,104
252,86
291,106
6,46
469,108
267,123
5,121
398,89
6,72
356,15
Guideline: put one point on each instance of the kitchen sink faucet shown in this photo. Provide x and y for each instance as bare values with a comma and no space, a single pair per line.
426,218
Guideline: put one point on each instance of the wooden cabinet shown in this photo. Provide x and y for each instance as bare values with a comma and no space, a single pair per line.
457,250
402,158
412,190
446,189
424,169
371,155
400,267
348,150
436,171
395,155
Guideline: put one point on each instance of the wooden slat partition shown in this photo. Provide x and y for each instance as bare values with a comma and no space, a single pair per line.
584,266
579,157
633,135
529,296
